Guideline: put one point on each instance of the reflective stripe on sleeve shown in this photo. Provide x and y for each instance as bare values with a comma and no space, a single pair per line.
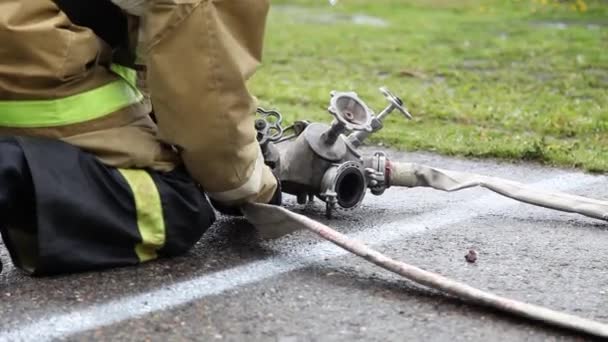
89,105
127,74
150,220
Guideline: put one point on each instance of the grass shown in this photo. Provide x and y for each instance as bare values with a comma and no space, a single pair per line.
520,80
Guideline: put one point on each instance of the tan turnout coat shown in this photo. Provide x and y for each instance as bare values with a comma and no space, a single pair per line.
198,55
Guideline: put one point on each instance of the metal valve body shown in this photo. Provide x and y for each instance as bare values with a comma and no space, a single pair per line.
321,161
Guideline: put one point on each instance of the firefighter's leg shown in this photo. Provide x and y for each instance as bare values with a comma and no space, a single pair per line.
16,202
85,215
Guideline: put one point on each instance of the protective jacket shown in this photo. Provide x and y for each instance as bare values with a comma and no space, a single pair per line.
64,74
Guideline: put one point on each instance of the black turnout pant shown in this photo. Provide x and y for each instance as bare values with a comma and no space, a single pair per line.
61,210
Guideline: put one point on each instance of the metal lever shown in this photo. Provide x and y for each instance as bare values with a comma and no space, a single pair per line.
394,103
356,138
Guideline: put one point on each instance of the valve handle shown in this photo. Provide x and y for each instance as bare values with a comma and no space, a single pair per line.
394,103
268,126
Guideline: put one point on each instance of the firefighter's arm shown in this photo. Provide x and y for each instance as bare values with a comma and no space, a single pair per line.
199,55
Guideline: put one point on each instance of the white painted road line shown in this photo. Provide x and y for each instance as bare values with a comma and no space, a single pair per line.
62,325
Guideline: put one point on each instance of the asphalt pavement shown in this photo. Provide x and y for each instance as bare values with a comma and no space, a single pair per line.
234,287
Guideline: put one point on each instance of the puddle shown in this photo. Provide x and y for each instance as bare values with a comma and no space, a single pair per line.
563,25
601,75
478,64
316,16
362,19
554,25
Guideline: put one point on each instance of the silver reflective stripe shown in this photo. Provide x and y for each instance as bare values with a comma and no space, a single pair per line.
251,187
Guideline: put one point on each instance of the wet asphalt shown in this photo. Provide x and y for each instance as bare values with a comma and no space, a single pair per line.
553,259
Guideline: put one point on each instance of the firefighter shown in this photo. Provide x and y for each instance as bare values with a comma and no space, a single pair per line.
87,178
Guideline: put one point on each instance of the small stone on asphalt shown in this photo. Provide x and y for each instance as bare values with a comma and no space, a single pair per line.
471,256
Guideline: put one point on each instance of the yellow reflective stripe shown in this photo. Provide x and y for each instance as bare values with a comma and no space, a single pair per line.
73,109
150,221
127,74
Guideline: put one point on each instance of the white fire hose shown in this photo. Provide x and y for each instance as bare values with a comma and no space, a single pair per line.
416,175
272,220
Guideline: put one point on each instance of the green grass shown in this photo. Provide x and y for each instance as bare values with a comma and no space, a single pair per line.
504,79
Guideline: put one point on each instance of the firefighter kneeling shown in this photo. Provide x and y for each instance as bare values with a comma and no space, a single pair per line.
87,179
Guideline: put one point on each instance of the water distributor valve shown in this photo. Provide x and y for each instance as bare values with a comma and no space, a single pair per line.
322,161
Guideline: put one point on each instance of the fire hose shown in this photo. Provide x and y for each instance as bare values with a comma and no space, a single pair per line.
414,175
262,215
323,161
